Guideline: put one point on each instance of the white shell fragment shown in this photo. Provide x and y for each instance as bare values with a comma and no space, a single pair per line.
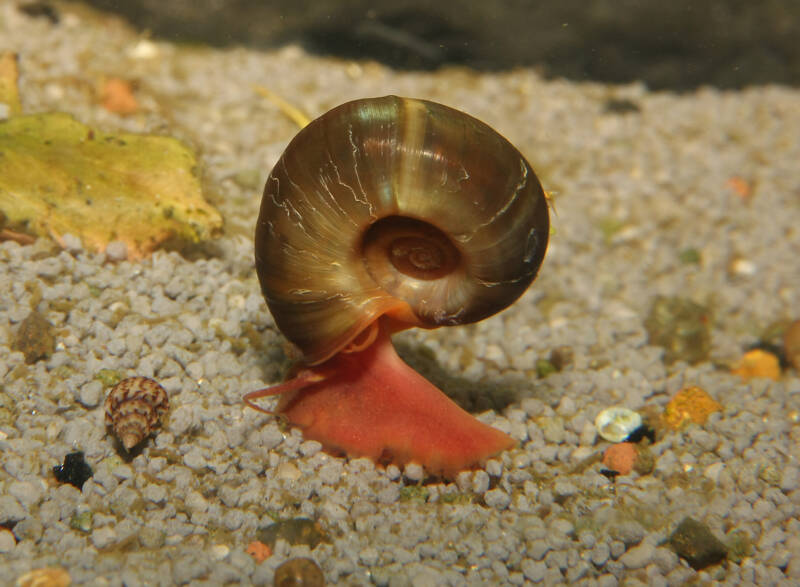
134,407
615,424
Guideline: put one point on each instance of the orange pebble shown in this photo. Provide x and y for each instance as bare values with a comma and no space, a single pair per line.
620,457
259,551
117,96
740,186
758,363
690,404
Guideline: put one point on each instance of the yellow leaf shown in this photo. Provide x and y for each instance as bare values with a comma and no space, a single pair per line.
58,176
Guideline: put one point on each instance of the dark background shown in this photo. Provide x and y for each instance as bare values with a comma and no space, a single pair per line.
678,44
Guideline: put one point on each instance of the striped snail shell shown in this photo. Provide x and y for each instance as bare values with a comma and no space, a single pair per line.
395,207
133,409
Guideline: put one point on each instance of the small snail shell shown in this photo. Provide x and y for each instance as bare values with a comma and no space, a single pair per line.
791,344
299,572
397,207
617,423
133,408
45,577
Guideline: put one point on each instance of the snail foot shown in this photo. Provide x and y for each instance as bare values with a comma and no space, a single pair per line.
370,403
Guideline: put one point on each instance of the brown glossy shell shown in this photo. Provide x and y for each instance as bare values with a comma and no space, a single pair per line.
791,344
299,572
392,201
45,577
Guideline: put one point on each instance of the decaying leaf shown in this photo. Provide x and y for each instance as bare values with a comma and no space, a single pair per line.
58,176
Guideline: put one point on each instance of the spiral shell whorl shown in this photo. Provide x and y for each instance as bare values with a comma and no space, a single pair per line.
133,408
391,203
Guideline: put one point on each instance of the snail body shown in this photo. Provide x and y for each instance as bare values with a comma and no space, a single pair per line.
385,214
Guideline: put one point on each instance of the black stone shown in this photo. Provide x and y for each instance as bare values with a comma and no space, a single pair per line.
74,471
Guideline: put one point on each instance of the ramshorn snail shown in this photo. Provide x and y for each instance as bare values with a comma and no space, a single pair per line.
381,215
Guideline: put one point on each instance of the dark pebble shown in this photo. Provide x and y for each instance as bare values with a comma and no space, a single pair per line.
34,338
74,471
695,543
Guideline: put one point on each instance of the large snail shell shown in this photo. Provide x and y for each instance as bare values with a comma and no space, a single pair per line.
395,206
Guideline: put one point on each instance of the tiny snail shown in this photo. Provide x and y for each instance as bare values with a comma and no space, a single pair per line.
299,572
616,424
381,215
133,408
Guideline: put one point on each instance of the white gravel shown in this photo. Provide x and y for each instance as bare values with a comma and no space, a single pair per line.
186,508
